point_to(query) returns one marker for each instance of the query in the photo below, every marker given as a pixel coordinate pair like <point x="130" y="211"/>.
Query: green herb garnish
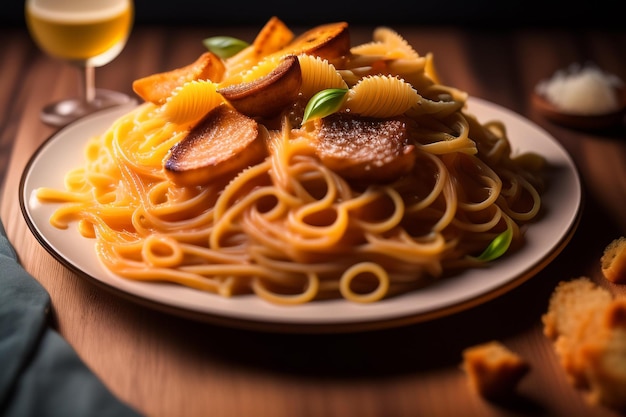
<point x="324" y="103"/>
<point x="224" y="46"/>
<point x="498" y="246"/>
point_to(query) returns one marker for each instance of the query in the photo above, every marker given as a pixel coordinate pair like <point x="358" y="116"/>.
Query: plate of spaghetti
<point x="302" y="184"/>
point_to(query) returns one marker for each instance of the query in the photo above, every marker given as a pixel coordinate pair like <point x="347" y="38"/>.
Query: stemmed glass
<point x="87" y="34"/>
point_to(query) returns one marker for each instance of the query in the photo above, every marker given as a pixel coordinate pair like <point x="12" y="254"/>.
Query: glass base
<point x="66" y="111"/>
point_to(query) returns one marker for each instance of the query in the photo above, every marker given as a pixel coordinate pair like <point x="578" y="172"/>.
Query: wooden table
<point x="165" y="365"/>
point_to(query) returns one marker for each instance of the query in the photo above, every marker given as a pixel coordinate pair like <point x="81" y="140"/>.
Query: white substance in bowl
<point x="585" y="91"/>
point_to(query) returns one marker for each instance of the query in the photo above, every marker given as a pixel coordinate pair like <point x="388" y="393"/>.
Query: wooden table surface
<point x="166" y="365"/>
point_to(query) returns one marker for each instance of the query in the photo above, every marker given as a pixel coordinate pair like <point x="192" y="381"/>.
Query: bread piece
<point x="588" y="328"/>
<point x="606" y="359"/>
<point x="493" y="370"/>
<point x="613" y="261"/>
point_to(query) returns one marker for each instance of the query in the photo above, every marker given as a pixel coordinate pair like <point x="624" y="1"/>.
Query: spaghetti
<point x="289" y="228"/>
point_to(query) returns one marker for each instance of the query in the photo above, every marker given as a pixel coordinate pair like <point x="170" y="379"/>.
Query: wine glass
<point x="87" y="34"/>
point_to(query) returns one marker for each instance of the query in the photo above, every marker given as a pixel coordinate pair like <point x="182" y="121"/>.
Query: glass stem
<point x="89" y="84"/>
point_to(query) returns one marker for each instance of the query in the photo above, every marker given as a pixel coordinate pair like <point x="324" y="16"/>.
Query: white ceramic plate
<point x="545" y="239"/>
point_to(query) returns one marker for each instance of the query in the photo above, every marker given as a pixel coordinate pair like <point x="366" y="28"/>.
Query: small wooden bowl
<point x="578" y="121"/>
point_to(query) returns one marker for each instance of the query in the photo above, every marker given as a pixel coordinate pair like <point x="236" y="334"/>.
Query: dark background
<point x="484" y="14"/>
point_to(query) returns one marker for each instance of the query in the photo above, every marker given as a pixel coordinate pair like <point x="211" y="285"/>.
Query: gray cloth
<point x="40" y="374"/>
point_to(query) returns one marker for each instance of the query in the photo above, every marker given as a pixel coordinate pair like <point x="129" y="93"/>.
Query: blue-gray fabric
<point x="40" y="373"/>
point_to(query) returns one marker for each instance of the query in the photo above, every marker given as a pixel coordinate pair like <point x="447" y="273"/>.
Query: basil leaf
<point x="498" y="246"/>
<point x="324" y="103"/>
<point x="224" y="46"/>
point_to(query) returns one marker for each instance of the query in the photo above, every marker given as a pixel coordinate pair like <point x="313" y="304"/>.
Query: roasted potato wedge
<point x="156" y="88"/>
<point x="272" y="37"/>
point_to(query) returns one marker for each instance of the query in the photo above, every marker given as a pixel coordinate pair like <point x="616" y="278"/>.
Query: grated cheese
<point x="582" y="90"/>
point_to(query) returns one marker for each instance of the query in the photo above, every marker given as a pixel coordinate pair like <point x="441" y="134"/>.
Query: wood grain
<point x="166" y="365"/>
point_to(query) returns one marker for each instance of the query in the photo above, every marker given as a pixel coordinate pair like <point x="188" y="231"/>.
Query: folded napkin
<point x="40" y="374"/>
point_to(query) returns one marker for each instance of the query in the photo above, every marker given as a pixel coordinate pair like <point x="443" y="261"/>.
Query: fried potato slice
<point x="364" y="148"/>
<point x="156" y="88"/>
<point x="330" y="41"/>
<point x="268" y="94"/>
<point x="225" y="141"/>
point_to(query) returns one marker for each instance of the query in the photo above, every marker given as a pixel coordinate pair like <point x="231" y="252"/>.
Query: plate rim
<point x="287" y="324"/>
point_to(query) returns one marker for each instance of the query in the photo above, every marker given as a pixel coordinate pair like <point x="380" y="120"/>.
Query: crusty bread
<point x="613" y="261"/>
<point x="588" y="328"/>
<point x="493" y="370"/>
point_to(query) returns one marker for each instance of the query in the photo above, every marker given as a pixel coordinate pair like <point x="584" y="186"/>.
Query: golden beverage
<point x="71" y="30"/>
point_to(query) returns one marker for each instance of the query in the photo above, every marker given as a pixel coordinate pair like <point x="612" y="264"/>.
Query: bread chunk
<point x="493" y="370"/>
<point x="613" y="261"/>
<point x="588" y="328"/>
